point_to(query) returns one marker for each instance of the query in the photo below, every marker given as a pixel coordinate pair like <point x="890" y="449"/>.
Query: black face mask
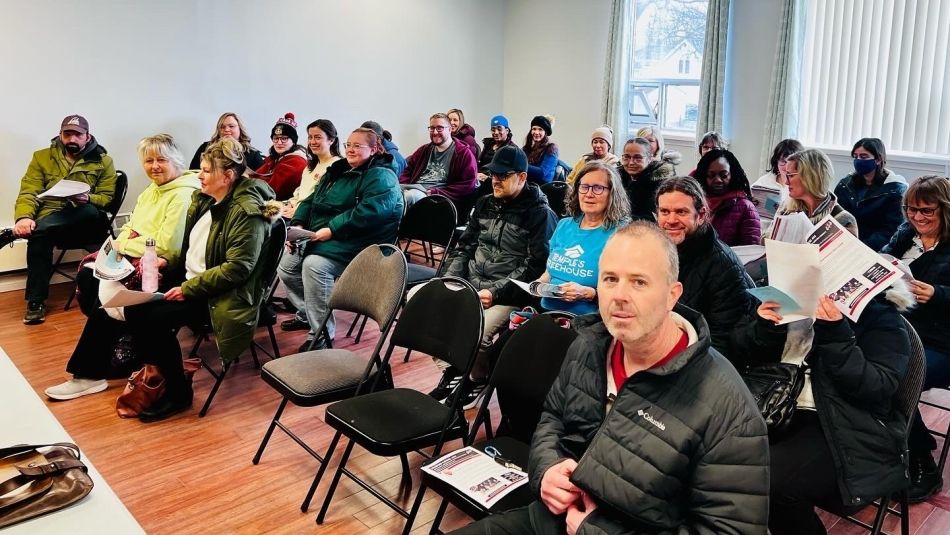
<point x="73" y="148"/>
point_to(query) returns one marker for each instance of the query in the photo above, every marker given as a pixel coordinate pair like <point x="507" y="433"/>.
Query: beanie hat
<point x="286" y="126"/>
<point x="542" y="122"/>
<point x="499" y="120"/>
<point x="605" y="133"/>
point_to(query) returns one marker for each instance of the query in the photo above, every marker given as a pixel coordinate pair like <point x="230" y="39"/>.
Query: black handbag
<point x="776" y="388"/>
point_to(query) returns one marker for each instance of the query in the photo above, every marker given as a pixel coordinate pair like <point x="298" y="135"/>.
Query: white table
<point x="25" y="419"/>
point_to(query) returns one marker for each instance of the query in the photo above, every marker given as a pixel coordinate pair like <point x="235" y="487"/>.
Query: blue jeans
<point x="309" y="281"/>
<point x="938" y="376"/>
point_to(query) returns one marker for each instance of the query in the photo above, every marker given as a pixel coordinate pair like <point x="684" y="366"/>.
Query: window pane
<point x="668" y="41"/>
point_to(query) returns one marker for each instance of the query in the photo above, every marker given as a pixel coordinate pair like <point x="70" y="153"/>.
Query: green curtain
<point x="713" y="77"/>
<point x="617" y="70"/>
<point x="781" y="120"/>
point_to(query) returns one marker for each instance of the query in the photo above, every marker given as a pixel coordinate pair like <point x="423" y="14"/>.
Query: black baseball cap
<point x="507" y="159"/>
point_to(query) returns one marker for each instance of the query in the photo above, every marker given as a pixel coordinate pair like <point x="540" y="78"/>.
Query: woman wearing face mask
<point x="286" y="161"/>
<point x="323" y="148"/>
<point x="230" y="125"/>
<point x="463" y="131"/>
<point x="727" y="190"/>
<point x="601" y="141"/>
<point x="872" y="193"/>
<point x="640" y="177"/>
<point x="542" y="152"/>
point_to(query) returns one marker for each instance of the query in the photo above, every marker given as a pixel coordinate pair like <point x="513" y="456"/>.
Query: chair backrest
<point x="527" y="367"/>
<point x="908" y="391"/>
<point x="556" y="192"/>
<point x="444" y="320"/>
<point x="112" y="209"/>
<point x="372" y="284"/>
<point x="431" y="219"/>
<point x="271" y="255"/>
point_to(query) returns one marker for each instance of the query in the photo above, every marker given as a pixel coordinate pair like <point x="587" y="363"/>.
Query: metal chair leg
<point x="406" y="481"/>
<point x="320" y="471"/>
<point x="437" y="521"/>
<point x="905" y="512"/>
<point x="349" y="332"/>
<point x="214" y="390"/>
<point x="362" y="326"/>
<point x="257" y="361"/>
<point x="270" y="431"/>
<point x="273" y="341"/>
<point x="406" y="358"/>
<point x="336" y="481"/>
<point x="880" y="516"/>
<point x="415" y="509"/>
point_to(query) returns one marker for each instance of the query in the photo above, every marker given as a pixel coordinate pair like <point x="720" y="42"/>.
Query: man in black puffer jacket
<point x="714" y="280"/>
<point x="647" y="429"/>
<point x="507" y="238"/>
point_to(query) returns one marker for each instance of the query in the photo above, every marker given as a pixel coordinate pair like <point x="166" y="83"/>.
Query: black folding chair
<point x="106" y="219"/>
<point x="398" y="421"/>
<point x="527" y="367"/>
<point x="372" y="284"/>
<point x="270" y="255"/>
<point x="556" y="192"/>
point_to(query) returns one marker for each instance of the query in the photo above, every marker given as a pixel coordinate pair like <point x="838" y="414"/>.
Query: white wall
<point x="138" y="68"/>
<point x="555" y="54"/>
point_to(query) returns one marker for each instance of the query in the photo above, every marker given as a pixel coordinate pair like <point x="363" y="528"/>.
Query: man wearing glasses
<point x="506" y="238"/>
<point x="443" y="166"/>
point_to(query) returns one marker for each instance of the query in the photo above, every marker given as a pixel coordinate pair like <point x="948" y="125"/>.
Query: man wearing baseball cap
<point x="506" y="238"/>
<point x="76" y="156"/>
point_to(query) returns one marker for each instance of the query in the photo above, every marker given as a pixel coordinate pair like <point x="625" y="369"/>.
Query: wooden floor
<point x="194" y="475"/>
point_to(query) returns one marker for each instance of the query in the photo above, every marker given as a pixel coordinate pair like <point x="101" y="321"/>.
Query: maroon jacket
<point x="466" y="134"/>
<point x="735" y="219"/>
<point x="462" y="179"/>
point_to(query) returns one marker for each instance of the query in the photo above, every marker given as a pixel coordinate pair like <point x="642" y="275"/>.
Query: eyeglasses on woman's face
<point x="911" y="211"/>
<point x="596" y="189"/>
<point x="355" y="146"/>
<point x="280" y="139"/>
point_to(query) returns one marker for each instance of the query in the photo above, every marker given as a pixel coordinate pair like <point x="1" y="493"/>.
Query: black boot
<point x="925" y="480"/>
<point x="169" y="404"/>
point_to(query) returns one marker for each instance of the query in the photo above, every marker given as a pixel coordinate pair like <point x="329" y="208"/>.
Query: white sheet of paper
<point x="791" y="228"/>
<point x="297" y="233"/>
<point x="539" y="289"/>
<point x="748" y="253"/>
<point x="127" y="298"/>
<point x="476" y="475"/>
<point x="65" y="188"/>
<point x="794" y="270"/>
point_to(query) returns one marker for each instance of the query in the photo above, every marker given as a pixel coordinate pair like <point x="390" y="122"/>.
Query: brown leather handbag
<point x="33" y="483"/>
<point x="145" y="386"/>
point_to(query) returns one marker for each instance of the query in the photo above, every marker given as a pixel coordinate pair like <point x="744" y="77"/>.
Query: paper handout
<point x="127" y="298"/>
<point x="109" y="266"/>
<point x="540" y="289"/>
<point x="477" y="475"/>
<point x="792" y="228"/>
<point x="65" y="188"/>
<point x="794" y="273"/>
<point x="766" y="200"/>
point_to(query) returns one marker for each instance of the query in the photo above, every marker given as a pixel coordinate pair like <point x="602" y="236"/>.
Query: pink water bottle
<point x="150" y="267"/>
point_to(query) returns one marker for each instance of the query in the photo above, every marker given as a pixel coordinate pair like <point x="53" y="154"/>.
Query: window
<point x="876" y="69"/>
<point x="668" y="37"/>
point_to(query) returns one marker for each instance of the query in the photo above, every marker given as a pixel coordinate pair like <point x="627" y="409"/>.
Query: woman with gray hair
<point x="597" y="206"/>
<point x="159" y="214"/>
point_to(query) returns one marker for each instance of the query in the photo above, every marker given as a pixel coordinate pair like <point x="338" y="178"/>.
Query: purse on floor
<point x="145" y="386"/>
<point x="776" y="388"/>
<point x="33" y="483"/>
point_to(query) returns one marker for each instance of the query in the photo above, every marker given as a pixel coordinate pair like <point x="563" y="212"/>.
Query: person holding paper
<point x="872" y="193"/>
<point x="597" y="206"/>
<point x="357" y="203"/>
<point x="731" y="211"/>
<point x="74" y="155"/>
<point x="774" y="177"/>
<point x="647" y="428"/>
<point x="159" y="214"/>
<point x="923" y="243"/>
<point x="810" y="177"/>
<point x="845" y="444"/>
<point x="714" y="280"/>
<point x="217" y="281"/>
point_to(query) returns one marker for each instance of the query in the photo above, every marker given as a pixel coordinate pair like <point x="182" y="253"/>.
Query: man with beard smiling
<point x="444" y="166"/>
<point x="73" y="155"/>
<point x="714" y="280"/>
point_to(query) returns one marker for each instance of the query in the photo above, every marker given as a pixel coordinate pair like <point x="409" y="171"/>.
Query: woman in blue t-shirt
<point x="597" y="205"/>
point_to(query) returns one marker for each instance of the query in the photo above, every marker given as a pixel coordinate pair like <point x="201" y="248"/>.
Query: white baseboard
<point x="13" y="258"/>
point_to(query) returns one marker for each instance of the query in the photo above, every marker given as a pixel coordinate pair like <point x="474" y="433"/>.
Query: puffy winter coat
<point x="49" y="166"/>
<point x="855" y="371"/>
<point x="283" y="173"/>
<point x="466" y="134"/>
<point x="642" y="190"/>
<point x="879" y="211"/>
<point x="714" y="283"/>
<point x="931" y="320"/>
<point x="683" y="449"/>
<point x="159" y="213"/>
<point x="360" y="206"/>
<point x="736" y="220"/>
<point x="232" y="282"/>
<point x="461" y="180"/>
<point x="504" y="239"/>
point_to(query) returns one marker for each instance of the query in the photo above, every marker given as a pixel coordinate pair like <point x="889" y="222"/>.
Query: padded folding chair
<point x="106" y="218"/>
<point x="906" y="398"/>
<point x="271" y="254"/>
<point x="372" y="284"/>
<point x="556" y="192"/>
<point x="430" y="221"/>
<point x="444" y="320"/>
<point x="535" y="351"/>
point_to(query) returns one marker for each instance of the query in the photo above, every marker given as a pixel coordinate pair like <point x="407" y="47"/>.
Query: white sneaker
<point x="75" y="388"/>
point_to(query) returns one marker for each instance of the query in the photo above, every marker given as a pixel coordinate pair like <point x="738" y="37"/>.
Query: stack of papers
<point x="539" y="289"/>
<point x="109" y="265"/>
<point x="767" y="195"/>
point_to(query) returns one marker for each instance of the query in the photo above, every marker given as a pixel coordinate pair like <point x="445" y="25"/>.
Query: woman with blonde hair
<point x="230" y="125"/>
<point x="463" y="131"/>
<point x="810" y="179"/>
<point x="668" y="159"/>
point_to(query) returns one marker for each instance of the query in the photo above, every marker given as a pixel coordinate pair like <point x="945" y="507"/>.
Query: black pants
<point x="802" y="475"/>
<point x="153" y="328"/>
<point x="88" y="286"/>
<point x="534" y="519"/>
<point x="72" y="224"/>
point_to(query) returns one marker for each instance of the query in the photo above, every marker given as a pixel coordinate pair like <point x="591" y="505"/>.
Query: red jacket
<point x="462" y="180"/>
<point x="735" y="219"/>
<point x="284" y="175"/>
